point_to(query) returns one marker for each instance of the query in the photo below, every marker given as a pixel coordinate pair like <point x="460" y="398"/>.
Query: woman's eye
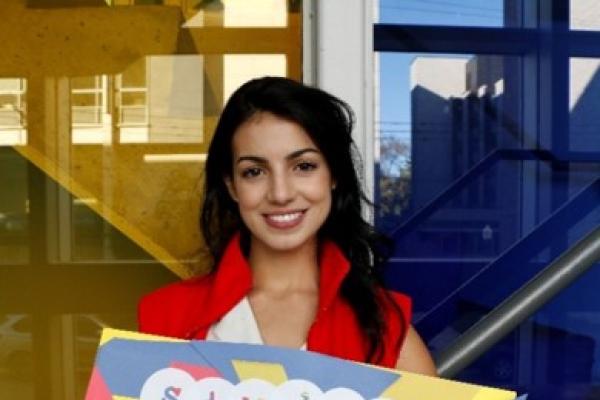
<point x="306" y="166"/>
<point x="251" y="172"/>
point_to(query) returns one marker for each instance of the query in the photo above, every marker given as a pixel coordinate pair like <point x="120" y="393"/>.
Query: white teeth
<point x="285" y="217"/>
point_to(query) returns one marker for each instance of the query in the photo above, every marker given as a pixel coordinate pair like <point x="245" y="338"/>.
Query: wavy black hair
<point x="329" y="122"/>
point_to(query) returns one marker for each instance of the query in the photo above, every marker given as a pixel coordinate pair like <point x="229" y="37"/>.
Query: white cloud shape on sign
<point x="209" y="389"/>
<point x="297" y="389"/>
<point x="176" y="384"/>
<point x="166" y="384"/>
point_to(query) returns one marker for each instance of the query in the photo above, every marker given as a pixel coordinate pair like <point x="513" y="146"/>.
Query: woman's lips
<point x="285" y="220"/>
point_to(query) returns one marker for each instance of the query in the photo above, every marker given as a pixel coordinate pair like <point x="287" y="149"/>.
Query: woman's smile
<point x="284" y="220"/>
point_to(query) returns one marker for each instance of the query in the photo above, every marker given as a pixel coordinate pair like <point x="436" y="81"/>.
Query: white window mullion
<point x="344" y="67"/>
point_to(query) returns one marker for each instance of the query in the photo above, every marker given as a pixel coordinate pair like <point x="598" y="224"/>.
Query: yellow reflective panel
<point x="98" y="135"/>
<point x="255" y="13"/>
<point x="240" y="68"/>
<point x="106" y="111"/>
<point x="13" y="108"/>
<point x="16" y="356"/>
<point x="84" y="331"/>
<point x="14" y="216"/>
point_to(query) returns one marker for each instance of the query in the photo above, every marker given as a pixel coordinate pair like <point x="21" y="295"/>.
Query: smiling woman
<point x="294" y="262"/>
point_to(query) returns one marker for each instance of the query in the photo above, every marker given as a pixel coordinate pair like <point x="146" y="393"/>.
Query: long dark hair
<point x="328" y="121"/>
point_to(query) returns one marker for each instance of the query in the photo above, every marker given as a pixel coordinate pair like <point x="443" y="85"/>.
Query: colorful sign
<point x="133" y="366"/>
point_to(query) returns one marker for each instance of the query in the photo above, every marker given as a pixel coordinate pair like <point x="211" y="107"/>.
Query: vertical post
<point x="345" y="68"/>
<point x="38" y="234"/>
<point x="214" y="74"/>
<point x="309" y="42"/>
<point x="554" y="123"/>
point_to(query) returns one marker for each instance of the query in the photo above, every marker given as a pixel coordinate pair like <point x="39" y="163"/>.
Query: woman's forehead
<point x="266" y="134"/>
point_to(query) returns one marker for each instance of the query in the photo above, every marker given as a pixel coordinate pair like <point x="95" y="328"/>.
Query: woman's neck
<point x="285" y="271"/>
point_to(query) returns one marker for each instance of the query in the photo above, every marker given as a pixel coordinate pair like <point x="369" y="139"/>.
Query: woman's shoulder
<point x="397" y="312"/>
<point x="170" y="305"/>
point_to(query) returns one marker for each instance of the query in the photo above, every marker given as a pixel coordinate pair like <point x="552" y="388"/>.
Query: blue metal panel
<point x="509" y="197"/>
<point x="457" y="40"/>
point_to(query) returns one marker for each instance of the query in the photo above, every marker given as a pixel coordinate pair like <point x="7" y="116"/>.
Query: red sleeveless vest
<point x="187" y="309"/>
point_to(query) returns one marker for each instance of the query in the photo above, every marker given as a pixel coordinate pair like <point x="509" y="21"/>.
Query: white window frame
<point x="339" y="58"/>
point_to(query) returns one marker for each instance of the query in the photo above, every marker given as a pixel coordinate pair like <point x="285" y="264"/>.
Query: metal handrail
<point x="520" y="305"/>
<point x="562" y="218"/>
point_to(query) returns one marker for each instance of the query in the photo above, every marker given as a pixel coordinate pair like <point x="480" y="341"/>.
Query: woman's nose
<point x="281" y="190"/>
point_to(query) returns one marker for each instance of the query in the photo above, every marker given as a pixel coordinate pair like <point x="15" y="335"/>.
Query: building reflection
<point x="13" y="110"/>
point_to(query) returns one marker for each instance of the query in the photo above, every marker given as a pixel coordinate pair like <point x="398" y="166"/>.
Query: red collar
<point x="233" y="280"/>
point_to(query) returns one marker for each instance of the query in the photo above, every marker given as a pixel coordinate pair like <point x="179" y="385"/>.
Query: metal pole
<point x="520" y="305"/>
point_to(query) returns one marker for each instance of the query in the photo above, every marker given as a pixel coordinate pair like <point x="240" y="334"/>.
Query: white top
<point x="238" y="326"/>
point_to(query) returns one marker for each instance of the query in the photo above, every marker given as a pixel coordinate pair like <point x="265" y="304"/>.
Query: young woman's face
<point x="281" y="182"/>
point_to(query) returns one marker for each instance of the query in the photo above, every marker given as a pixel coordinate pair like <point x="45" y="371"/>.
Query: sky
<point x="394" y="118"/>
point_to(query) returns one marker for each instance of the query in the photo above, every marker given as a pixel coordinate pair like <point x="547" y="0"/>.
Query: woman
<point x="295" y="264"/>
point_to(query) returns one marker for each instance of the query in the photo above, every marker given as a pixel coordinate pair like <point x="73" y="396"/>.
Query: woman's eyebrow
<point x="300" y="152"/>
<point x="256" y="159"/>
<point x="291" y="156"/>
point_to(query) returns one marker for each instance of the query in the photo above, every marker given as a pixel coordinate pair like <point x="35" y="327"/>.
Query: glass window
<point x="13" y="109"/>
<point x="14" y="208"/>
<point x="584" y="98"/>
<point x="243" y="13"/>
<point x="102" y="149"/>
<point x="447" y="191"/>
<point x="554" y="353"/>
<point x="151" y="121"/>
<point x="450" y="108"/>
<point x="85" y="331"/>
<point x="439" y="13"/>
<point x="584" y="15"/>
<point x="87" y="104"/>
<point x="16" y="356"/>
<point x="243" y="67"/>
<point x="94" y="238"/>
<point x="489" y="170"/>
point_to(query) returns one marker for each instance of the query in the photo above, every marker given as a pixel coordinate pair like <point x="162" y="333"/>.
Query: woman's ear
<point x="230" y="188"/>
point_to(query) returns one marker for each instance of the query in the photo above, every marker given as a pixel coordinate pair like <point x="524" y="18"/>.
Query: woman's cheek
<point x="250" y="195"/>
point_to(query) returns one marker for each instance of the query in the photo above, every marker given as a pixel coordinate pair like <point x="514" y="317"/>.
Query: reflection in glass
<point x="14" y="204"/>
<point x="16" y="356"/>
<point x="86" y="330"/>
<point x="175" y="99"/>
<point x="90" y="116"/>
<point x="131" y="89"/>
<point x="444" y="13"/>
<point x="452" y="109"/>
<point x="157" y="99"/>
<point x="481" y="208"/>
<point x="101" y="157"/>
<point x="555" y="354"/>
<point x="584" y="15"/>
<point x="243" y="13"/>
<point x="94" y="238"/>
<point x="257" y="13"/>
<point x="446" y="193"/>
<point x="240" y="68"/>
<point x="13" y="111"/>
<point x="584" y="100"/>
